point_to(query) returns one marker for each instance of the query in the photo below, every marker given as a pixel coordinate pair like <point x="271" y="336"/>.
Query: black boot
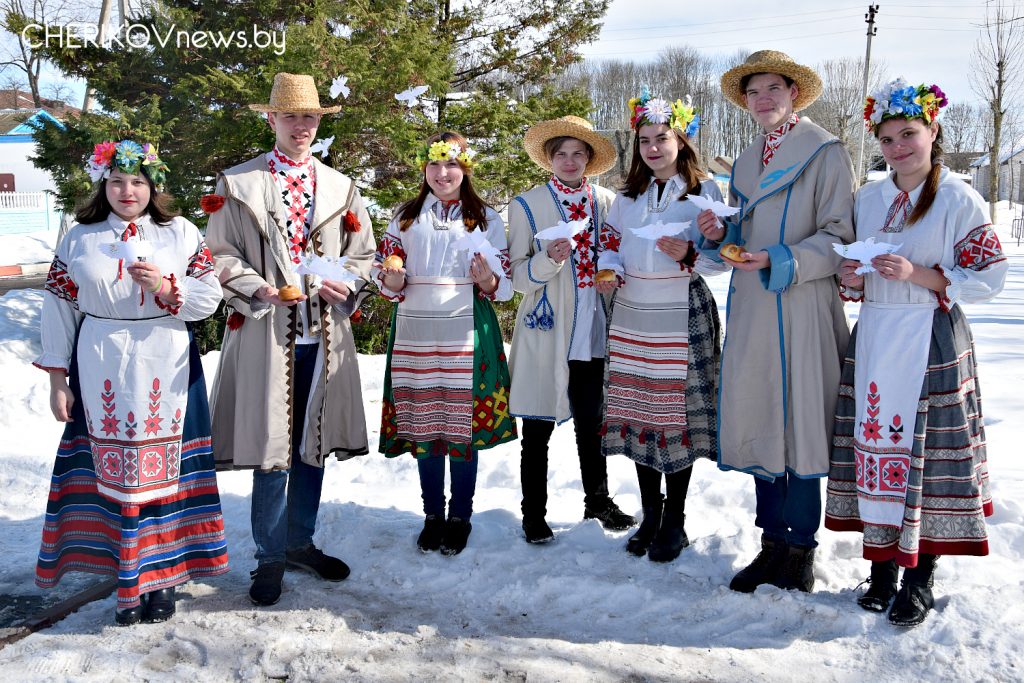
<point x="537" y="530"/>
<point x="671" y="538"/>
<point x="882" y="586"/>
<point x="764" y="569"/>
<point x="610" y="516"/>
<point x="797" y="570"/>
<point x="131" y="615"/>
<point x="641" y="540"/>
<point x="915" y="598"/>
<point x="160" y="606"/>
<point x="433" y="531"/>
<point x="456" y="534"/>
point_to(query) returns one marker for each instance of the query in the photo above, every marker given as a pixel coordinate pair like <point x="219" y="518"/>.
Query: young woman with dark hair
<point x="908" y="466"/>
<point x="664" y="332"/>
<point x="134" y="492"/>
<point x="447" y="380"/>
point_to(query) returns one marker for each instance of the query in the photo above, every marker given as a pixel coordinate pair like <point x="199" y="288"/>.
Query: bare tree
<point x="840" y="109"/>
<point x="996" y="64"/>
<point x="58" y="91"/>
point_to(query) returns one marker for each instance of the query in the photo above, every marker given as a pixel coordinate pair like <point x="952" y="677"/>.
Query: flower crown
<point x="126" y="156"/>
<point x="444" y="150"/>
<point x="899" y="100"/>
<point x="646" y="110"/>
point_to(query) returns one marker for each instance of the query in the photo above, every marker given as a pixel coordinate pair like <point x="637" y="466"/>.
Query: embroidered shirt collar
<point x="281" y="158"/>
<point x="890" y="191"/>
<point x="773" y="139"/>
<point x="120" y="225"/>
<point x="443" y="208"/>
<point x="562" y="188"/>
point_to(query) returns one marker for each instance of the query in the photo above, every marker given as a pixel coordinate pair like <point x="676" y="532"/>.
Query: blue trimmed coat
<point x="786" y="331"/>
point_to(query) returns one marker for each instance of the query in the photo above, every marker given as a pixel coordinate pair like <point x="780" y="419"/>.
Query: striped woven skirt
<point x="446" y="384"/>
<point x="947" y="492"/>
<point x="662" y="375"/>
<point x="148" y="546"/>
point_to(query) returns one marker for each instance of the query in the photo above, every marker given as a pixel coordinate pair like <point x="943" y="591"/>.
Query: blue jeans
<point x="789" y="509"/>
<point x="285" y="502"/>
<point x="463" y="485"/>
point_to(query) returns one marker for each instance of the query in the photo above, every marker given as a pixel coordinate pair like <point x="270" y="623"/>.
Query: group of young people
<point x="617" y="330"/>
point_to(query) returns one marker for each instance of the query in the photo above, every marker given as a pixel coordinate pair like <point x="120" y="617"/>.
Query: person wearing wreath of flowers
<point x="558" y="347"/>
<point x="786" y="330"/>
<point x="287" y="394"/>
<point x="664" y="333"/>
<point x="444" y="259"/>
<point x="913" y="480"/>
<point x="134" y="490"/>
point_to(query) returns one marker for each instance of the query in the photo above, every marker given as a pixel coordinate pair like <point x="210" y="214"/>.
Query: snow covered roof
<point x="1008" y="153"/>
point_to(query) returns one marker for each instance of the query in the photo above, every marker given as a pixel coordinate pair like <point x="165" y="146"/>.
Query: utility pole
<point x="869" y="18"/>
<point x="101" y="36"/>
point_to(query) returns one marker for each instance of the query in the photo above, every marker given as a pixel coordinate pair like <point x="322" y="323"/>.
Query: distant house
<point x="1011" y="173"/>
<point x="26" y="192"/>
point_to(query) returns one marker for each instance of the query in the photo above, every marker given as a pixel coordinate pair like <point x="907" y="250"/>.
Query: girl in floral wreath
<point x="664" y="332"/>
<point x="133" y="493"/>
<point x="444" y="259"/>
<point x="908" y="466"/>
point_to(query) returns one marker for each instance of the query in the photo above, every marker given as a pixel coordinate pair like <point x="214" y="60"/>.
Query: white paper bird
<point x="321" y="146"/>
<point x="411" y="96"/>
<point x="718" y="208"/>
<point x="476" y="243"/>
<point x="564" y="230"/>
<point x="327" y="267"/>
<point x="338" y="87"/>
<point x="657" y="230"/>
<point x="865" y="251"/>
<point x="343" y="31"/>
<point x="131" y="250"/>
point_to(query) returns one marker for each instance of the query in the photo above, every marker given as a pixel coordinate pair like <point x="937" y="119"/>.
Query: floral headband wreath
<point x="129" y="157"/>
<point x="647" y="110"/>
<point x="899" y="100"/>
<point x="443" y="150"/>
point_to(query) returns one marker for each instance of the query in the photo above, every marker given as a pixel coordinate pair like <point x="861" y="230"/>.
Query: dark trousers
<point x="789" y="509"/>
<point x="463" y="474"/>
<point x="285" y="502"/>
<point x="586" y="392"/>
<point x="676" y="486"/>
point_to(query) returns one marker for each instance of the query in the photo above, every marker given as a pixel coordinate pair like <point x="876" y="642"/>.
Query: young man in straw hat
<point x="287" y="393"/>
<point x="558" y="348"/>
<point x="786" y="332"/>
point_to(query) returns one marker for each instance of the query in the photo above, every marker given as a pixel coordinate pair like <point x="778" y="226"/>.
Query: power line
<point x="746" y="20"/>
<point x="724" y="30"/>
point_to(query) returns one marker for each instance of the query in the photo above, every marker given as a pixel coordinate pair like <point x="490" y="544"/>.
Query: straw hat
<point x="772" y="62"/>
<point x="572" y="126"/>
<point x="294" y="92"/>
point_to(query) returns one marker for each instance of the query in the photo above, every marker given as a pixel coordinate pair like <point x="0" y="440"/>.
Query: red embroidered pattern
<point x="610" y="238"/>
<point x="980" y="249"/>
<point x="201" y="262"/>
<point x="297" y="182"/>
<point x="584" y="257"/>
<point x="773" y="139"/>
<point x="60" y="284"/>
<point x="565" y="189"/>
<point x="153" y="421"/>
<point x="110" y="420"/>
<point x="871" y="429"/>
<point x="898" y="213"/>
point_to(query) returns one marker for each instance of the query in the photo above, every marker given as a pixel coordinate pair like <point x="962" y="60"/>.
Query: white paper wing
<point x="475" y="243"/>
<point x="564" y="230"/>
<point x="132" y="249"/>
<point x="411" y="95"/>
<point x="864" y="251"/>
<point x="718" y="208"/>
<point x="321" y="146"/>
<point x="327" y="267"/>
<point x="657" y="230"/>
<point x="338" y="87"/>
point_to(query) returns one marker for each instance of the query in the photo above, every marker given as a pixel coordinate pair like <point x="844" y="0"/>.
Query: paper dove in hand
<point x="865" y="251"/>
<point x="476" y="243"/>
<point x="321" y="146"/>
<point x="658" y="230"/>
<point x="718" y="208"/>
<point x="132" y="249"/>
<point x="327" y="267"/>
<point x="564" y="230"/>
<point x="338" y="87"/>
<point x="411" y="96"/>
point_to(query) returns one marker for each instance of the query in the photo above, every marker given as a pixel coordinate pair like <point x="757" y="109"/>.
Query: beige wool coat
<point x="786" y="331"/>
<point x="539" y="360"/>
<point x="252" y="399"/>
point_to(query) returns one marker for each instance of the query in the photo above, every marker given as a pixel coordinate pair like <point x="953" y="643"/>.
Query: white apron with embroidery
<point x="647" y="351"/>
<point x="432" y="360"/>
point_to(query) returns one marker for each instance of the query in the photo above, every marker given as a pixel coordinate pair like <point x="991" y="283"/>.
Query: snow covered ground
<point x="579" y="608"/>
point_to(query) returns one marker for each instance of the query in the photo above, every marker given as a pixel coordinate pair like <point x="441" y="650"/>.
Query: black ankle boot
<point x="797" y="570"/>
<point x="671" y="538"/>
<point x="131" y="615"/>
<point x="641" y="540"/>
<point x="915" y="599"/>
<point x="882" y="588"/>
<point x="160" y="606"/>
<point x="432" y="534"/>
<point x="764" y="569"/>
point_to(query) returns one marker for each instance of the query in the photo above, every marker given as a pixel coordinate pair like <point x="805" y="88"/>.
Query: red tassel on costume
<point x="351" y="222"/>
<point x="643" y="438"/>
<point x="622" y="432"/>
<point x="603" y="430"/>
<point x="235" y="320"/>
<point x="662" y="441"/>
<point x="686" y="438"/>
<point x="356" y="317"/>
<point x="211" y="203"/>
